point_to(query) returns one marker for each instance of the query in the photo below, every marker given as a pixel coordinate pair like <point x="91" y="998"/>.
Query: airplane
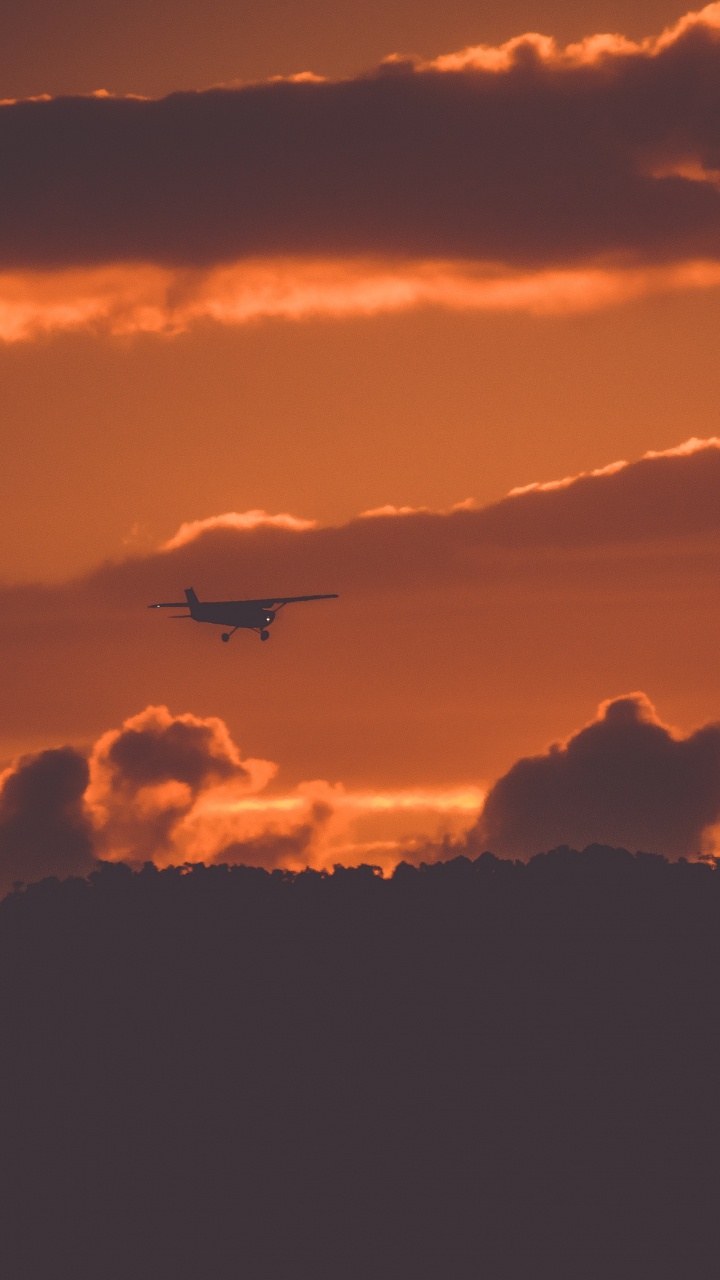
<point x="251" y="615"/>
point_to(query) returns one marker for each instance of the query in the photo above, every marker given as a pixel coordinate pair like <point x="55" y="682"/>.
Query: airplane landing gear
<point x="264" y="635"/>
<point x="225" y="637"/>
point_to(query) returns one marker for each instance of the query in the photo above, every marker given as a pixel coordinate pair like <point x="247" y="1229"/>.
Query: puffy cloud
<point x="625" y="779"/>
<point x="44" y="828"/>
<point x="524" y="155"/>
<point x="155" y="747"/>
<point x="174" y="790"/>
<point x="146" y="779"/>
<point x="162" y="788"/>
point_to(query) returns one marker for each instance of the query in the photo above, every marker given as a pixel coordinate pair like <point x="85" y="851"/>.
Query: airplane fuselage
<point x="232" y="613"/>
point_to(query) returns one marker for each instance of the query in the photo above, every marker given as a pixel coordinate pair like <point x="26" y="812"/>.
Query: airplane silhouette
<point x="250" y="615"/>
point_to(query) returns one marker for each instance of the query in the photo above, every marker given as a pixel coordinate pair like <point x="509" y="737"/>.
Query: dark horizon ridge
<point x="474" y="1068"/>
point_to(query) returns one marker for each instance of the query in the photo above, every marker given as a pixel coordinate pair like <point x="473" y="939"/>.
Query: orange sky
<point x="139" y="395"/>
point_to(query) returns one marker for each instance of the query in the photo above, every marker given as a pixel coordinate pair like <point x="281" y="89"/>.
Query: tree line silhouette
<point x="471" y="1069"/>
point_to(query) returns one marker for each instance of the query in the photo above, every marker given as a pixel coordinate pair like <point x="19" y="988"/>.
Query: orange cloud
<point x="668" y="492"/>
<point x="319" y="824"/>
<point x="684" y="450"/>
<point x="142" y="298"/>
<point x="173" y="789"/>
<point x="146" y="779"/>
<point x="605" y="47"/>
<point x="460" y="641"/>
<point x="235" y="520"/>
<point x="390" y="510"/>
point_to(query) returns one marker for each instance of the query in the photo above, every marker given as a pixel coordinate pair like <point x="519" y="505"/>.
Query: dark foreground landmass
<point x="475" y="1069"/>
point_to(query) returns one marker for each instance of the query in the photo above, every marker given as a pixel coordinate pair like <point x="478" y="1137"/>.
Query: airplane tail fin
<point x="191" y="598"/>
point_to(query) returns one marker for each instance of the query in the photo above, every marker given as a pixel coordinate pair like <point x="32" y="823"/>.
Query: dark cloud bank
<point x="624" y="779"/>
<point x="542" y="162"/>
<point x="650" y="501"/>
<point x="609" y="581"/>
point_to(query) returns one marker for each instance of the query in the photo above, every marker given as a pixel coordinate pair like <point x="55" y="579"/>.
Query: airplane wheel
<point x="264" y="635"/>
<point x="225" y="637"/>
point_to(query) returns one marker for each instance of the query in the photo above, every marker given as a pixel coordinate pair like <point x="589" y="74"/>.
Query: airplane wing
<point x="268" y="603"/>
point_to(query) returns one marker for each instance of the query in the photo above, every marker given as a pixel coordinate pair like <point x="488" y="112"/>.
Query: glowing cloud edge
<point x="145" y="299"/>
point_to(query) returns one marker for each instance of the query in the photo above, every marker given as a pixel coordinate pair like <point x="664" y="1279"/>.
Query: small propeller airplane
<point x="249" y="615"/>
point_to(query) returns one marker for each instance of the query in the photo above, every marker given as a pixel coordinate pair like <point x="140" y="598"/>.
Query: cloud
<point x="235" y="520"/>
<point x="526" y="156"/>
<point x="44" y="829"/>
<point x="174" y="790"/>
<point x="319" y="824"/>
<point x="626" y="779"/>
<point x="389" y="509"/>
<point x="147" y="298"/>
<point x="147" y="777"/>
<point x="522" y="178"/>
<point x="684" y="450"/>
<point x="667" y="494"/>
<point x="293" y="849"/>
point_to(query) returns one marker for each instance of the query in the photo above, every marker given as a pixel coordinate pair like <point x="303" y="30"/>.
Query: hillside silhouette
<point x="472" y="1069"/>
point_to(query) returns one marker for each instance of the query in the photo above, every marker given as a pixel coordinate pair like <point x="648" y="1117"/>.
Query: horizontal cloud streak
<point x="141" y="298"/>
<point x="236" y="520"/>
<point x="668" y="494"/>
<point x="526" y="156"/>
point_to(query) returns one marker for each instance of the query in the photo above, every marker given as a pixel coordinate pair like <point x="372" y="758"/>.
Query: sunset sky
<point x="392" y="300"/>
